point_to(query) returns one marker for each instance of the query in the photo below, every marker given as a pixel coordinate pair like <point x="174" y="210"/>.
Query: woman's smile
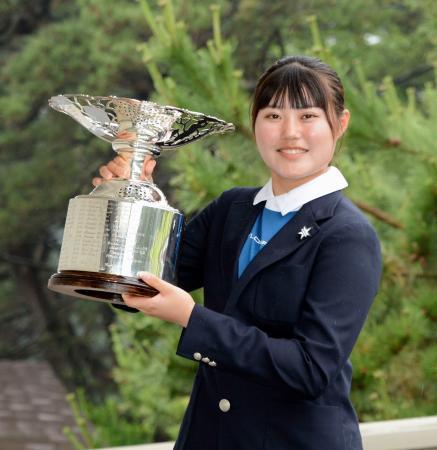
<point x="292" y="153"/>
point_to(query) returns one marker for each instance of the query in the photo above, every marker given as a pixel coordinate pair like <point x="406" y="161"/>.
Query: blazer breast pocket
<point x="280" y="291"/>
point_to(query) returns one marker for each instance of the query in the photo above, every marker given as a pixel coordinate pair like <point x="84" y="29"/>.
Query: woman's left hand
<point x="171" y="304"/>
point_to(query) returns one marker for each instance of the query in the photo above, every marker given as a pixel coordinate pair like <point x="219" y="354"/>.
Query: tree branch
<point x="378" y="214"/>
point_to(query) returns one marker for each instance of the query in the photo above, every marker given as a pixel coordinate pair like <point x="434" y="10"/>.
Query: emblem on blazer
<point x="304" y="232"/>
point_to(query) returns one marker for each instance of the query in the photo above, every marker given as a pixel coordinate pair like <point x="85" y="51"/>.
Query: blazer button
<point x="197" y="356"/>
<point x="224" y="405"/>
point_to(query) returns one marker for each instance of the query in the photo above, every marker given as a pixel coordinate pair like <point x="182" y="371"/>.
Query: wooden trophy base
<point x="98" y="286"/>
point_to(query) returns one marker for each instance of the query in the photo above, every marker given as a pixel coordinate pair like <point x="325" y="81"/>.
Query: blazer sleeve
<point x="343" y="283"/>
<point x="192" y="254"/>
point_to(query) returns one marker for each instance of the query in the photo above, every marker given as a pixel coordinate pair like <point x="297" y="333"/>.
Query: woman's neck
<point x="281" y="185"/>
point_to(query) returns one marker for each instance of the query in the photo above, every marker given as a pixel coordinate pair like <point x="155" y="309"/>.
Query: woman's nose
<point x="291" y="128"/>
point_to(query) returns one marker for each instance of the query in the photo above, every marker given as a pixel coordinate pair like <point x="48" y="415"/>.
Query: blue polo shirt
<point x="267" y="224"/>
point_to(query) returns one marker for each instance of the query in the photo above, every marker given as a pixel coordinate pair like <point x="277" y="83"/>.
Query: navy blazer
<point x="273" y="345"/>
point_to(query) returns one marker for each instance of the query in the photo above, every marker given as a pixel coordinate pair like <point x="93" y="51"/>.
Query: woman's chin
<point x="286" y="181"/>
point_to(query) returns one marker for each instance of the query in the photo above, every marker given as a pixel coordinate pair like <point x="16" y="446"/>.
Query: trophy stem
<point x="136" y="165"/>
<point x="136" y="158"/>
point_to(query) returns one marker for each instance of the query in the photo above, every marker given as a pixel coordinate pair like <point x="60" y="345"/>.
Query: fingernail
<point x="142" y="274"/>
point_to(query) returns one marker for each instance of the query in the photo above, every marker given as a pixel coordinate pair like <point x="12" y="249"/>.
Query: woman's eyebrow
<point x="300" y="108"/>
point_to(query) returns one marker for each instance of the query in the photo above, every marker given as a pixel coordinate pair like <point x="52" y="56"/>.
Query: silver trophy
<point x="125" y="225"/>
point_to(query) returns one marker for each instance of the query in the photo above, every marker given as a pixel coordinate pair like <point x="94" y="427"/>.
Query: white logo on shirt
<point x="257" y="239"/>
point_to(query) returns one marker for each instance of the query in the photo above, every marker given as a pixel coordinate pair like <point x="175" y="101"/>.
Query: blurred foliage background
<point x="130" y="387"/>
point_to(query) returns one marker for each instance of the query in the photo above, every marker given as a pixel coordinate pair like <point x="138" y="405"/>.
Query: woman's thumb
<point x="153" y="281"/>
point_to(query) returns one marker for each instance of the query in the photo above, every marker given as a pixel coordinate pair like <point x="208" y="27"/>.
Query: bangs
<point x="294" y="85"/>
<point x="300" y="82"/>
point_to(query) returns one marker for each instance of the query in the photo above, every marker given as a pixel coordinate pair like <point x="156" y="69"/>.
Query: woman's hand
<point x="172" y="304"/>
<point x="119" y="167"/>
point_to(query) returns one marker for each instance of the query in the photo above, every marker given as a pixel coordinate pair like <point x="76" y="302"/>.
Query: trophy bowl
<point x="125" y="225"/>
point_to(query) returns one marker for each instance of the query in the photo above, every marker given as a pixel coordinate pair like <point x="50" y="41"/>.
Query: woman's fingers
<point x="105" y="173"/>
<point x="144" y="304"/>
<point x="148" y="167"/>
<point x="120" y="167"/>
<point x="97" y="181"/>
<point x="171" y="303"/>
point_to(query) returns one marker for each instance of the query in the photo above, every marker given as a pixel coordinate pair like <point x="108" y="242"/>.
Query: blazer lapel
<point x="240" y="220"/>
<point x="286" y="241"/>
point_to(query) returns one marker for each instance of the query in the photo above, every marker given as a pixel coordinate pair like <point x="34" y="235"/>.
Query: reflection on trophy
<point x="125" y="225"/>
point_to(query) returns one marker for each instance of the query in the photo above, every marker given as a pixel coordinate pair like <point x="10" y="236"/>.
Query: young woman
<point x="289" y="272"/>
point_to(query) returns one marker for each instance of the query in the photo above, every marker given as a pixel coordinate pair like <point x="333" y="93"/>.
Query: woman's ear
<point x="343" y="122"/>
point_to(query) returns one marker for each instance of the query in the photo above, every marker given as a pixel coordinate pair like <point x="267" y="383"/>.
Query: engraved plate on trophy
<point x="125" y="225"/>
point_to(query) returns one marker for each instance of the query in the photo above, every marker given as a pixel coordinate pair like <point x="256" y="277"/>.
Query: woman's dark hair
<point x="305" y="82"/>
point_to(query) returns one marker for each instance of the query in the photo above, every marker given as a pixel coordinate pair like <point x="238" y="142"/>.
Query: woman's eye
<point x="308" y="116"/>
<point x="273" y="116"/>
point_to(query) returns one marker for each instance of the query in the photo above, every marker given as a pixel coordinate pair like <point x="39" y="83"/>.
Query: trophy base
<point x="101" y="287"/>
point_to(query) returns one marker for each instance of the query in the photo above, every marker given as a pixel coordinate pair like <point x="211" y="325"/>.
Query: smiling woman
<point x="289" y="272"/>
<point x="298" y="115"/>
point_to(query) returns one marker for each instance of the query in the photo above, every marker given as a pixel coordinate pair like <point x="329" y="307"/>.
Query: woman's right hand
<point x="119" y="167"/>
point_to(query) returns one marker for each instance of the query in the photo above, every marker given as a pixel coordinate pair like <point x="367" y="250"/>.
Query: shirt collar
<point x="330" y="181"/>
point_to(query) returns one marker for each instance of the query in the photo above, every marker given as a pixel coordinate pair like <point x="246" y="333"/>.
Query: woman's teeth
<point x="293" y="151"/>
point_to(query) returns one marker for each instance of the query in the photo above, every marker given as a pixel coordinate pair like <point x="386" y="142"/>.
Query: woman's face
<point x="297" y="145"/>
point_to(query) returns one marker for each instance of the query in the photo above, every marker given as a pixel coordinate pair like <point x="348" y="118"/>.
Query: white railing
<point x="404" y="434"/>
